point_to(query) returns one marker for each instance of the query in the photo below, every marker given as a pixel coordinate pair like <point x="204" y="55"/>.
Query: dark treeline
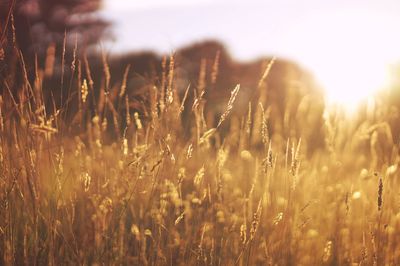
<point x="287" y="93"/>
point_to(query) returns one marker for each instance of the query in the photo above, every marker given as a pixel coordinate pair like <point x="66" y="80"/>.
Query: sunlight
<point x="348" y="81"/>
<point x="349" y="56"/>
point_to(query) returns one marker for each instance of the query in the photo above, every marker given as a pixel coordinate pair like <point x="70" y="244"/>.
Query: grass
<point x="237" y="193"/>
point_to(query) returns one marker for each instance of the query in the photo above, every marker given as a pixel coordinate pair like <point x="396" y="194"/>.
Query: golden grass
<point x="247" y="196"/>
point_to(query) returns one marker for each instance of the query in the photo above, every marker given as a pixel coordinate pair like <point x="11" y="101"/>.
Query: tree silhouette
<point x="33" y="31"/>
<point x="33" y="25"/>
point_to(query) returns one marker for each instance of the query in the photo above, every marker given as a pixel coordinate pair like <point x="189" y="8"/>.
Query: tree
<point x="35" y="24"/>
<point x="33" y="31"/>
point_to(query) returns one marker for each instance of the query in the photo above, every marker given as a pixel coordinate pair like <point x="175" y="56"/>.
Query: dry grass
<point x="236" y="196"/>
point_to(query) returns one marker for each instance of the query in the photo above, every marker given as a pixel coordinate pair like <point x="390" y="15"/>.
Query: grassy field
<point x="225" y="192"/>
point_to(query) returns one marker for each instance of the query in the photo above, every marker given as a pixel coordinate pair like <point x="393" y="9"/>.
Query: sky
<point x="252" y="28"/>
<point x="324" y="36"/>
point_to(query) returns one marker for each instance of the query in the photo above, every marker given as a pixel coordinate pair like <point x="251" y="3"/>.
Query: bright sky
<point x="341" y="41"/>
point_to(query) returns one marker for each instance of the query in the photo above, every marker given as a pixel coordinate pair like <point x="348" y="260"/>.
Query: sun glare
<point x="348" y="81"/>
<point x="350" y="56"/>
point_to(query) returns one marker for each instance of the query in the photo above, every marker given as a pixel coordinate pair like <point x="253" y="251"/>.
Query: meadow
<point x="175" y="184"/>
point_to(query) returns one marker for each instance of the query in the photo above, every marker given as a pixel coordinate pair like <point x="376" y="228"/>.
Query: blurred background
<point x="348" y="45"/>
